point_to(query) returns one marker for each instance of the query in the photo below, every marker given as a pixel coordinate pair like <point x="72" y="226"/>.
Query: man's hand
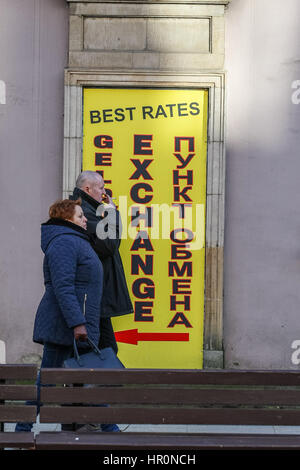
<point x="80" y="333"/>
<point x="108" y="201"/>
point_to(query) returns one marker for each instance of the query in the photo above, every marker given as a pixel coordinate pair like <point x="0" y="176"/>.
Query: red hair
<point x="63" y="209"/>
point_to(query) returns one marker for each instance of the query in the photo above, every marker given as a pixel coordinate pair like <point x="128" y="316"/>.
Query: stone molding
<point x="75" y="80"/>
<point x="147" y="35"/>
<point x="157" y="43"/>
<point x="192" y="2"/>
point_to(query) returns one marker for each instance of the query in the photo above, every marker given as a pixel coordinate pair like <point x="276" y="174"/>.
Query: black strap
<point x="93" y="346"/>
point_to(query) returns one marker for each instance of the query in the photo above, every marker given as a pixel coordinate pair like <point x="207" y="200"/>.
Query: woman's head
<point x="68" y="210"/>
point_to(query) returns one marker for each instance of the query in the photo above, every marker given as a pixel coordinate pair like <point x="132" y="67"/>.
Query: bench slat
<point x="170" y="396"/>
<point x="17" y="392"/>
<point x="17" y="439"/>
<point x="13" y="414"/>
<point x="18" y="371"/>
<point x="69" y="414"/>
<point x="121" y="441"/>
<point x="166" y="376"/>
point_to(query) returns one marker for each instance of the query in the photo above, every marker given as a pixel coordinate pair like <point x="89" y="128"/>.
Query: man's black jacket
<point x="115" y="298"/>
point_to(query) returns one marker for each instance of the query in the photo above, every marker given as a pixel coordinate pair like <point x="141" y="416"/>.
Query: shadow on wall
<point x="262" y="220"/>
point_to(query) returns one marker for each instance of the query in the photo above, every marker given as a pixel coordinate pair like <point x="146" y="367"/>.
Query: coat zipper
<point x="84" y="302"/>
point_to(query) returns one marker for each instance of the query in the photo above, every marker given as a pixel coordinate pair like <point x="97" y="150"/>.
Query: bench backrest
<point x="17" y="385"/>
<point x="171" y="396"/>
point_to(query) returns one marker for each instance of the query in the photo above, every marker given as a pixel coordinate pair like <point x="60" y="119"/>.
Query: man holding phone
<point x="98" y="207"/>
<point x="115" y="300"/>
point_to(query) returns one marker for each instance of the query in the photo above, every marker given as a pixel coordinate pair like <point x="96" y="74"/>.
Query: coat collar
<point x="54" y="228"/>
<point x="78" y="193"/>
<point x="66" y="223"/>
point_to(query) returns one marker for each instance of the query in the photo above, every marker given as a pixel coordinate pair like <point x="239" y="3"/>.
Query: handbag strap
<point x="93" y="346"/>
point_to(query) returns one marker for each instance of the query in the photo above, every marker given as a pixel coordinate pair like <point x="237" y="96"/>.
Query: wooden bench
<point x="13" y="395"/>
<point x="188" y="397"/>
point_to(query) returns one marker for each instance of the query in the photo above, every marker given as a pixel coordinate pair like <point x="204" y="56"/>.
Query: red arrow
<point x="133" y="336"/>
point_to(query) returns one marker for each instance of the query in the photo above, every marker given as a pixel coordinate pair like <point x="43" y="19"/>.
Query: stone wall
<point x="34" y="40"/>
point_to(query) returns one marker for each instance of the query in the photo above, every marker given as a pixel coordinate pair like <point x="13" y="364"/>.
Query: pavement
<point x="37" y="427"/>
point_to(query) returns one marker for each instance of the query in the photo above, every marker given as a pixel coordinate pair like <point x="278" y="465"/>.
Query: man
<point x="106" y="242"/>
<point x="104" y="228"/>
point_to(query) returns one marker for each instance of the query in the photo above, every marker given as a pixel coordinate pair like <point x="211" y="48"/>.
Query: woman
<point x="73" y="278"/>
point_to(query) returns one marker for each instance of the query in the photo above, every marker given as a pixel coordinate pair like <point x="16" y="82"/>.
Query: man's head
<point x="91" y="183"/>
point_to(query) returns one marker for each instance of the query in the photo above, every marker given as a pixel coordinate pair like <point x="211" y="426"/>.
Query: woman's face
<point x="79" y="218"/>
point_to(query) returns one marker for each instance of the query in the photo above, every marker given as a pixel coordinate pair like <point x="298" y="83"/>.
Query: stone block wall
<point x="147" y="35"/>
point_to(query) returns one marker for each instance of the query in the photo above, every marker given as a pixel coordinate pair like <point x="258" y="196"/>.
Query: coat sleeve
<point x="62" y="262"/>
<point x="104" y="228"/>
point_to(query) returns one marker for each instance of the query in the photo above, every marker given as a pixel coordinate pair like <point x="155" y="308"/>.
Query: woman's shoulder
<point x="69" y="241"/>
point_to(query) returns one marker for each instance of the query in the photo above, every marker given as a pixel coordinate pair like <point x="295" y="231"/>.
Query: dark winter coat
<point x="73" y="278"/>
<point x="115" y="299"/>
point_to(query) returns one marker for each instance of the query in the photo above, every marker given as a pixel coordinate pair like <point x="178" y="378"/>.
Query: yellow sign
<point x="150" y="146"/>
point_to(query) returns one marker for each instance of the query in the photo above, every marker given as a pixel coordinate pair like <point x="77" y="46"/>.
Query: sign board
<point x="150" y="146"/>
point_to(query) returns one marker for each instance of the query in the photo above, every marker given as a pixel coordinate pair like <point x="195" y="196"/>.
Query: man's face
<point x="96" y="189"/>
